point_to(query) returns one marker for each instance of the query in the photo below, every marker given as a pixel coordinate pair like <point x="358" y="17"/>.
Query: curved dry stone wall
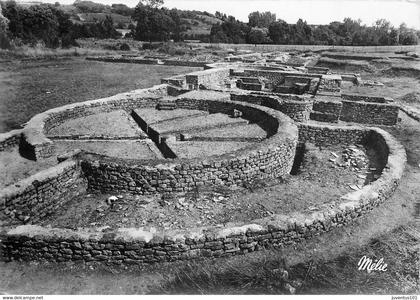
<point x="37" y="146"/>
<point x="10" y="139"/>
<point x="270" y="158"/>
<point x="295" y="107"/>
<point x="30" y="199"/>
<point x="137" y="246"/>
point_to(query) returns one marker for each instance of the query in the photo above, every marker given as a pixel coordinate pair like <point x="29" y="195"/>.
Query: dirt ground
<point x="19" y="167"/>
<point x="251" y="131"/>
<point x="327" y="174"/>
<point x="128" y="149"/>
<point x="115" y="124"/>
<point x="196" y="123"/>
<point x="394" y="87"/>
<point x="152" y="116"/>
<point x="196" y="149"/>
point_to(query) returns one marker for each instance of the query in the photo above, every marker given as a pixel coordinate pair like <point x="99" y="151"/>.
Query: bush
<point x="149" y="46"/>
<point x="124" y="47"/>
<point x="111" y="47"/>
<point x="4" y="41"/>
<point x="173" y="49"/>
<point x="68" y="41"/>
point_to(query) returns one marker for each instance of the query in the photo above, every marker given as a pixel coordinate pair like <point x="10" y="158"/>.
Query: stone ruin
<point x="292" y="105"/>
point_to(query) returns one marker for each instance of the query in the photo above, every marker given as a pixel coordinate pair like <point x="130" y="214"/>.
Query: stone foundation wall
<point x="355" y="111"/>
<point x="324" y="117"/>
<point x="273" y="157"/>
<point x="149" y="61"/>
<point x="275" y="77"/>
<point x="329" y="107"/>
<point x="364" y="98"/>
<point x="139" y="246"/>
<point x="298" y="110"/>
<point x="330" y="83"/>
<point x="327" y="135"/>
<point x="10" y="139"/>
<point x="317" y="70"/>
<point x="290" y="80"/>
<point x="33" y="198"/>
<point x="326" y="111"/>
<point x="369" y="113"/>
<point x="207" y="79"/>
<point x="185" y="63"/>
<point x="38" y="146"/>
<point x="252" y="86"/>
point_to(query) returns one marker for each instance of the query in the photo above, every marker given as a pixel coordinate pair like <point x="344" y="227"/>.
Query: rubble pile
<point x="355" y="159"/>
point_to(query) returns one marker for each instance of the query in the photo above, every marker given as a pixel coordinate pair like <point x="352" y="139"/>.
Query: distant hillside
<point x="119" y="20"/>
<point x="197" y="23"/>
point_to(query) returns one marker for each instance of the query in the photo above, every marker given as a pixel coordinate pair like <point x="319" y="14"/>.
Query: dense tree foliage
<point x="261" y="20"/>
<point x="100" y="29"/>
<point x="4" y="22"/>
<point x="258" y="35"/>
<point x="152" y="3"/>
<point x="122" y="9"/>
<point x="264" y="28"/>
<point x="230" y="31"/>
<point x="51" y="25"/>
<point x="90" y="7"/>
<point x="37" y="22"/>
<point x="93" y="7"/>
<point x="157" y="24"/>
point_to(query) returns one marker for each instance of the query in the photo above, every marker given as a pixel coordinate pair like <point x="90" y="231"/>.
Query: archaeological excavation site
<point x="248" y="153"/>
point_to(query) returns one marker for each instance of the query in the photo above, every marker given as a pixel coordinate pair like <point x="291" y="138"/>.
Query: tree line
<point x="152" y="22"/>
<point x="265" y="28"/>
<point x="156" y="23"/>
<point x="49" y="24"/>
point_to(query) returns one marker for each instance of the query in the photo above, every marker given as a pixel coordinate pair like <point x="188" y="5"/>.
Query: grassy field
<point x="28" y="87"/>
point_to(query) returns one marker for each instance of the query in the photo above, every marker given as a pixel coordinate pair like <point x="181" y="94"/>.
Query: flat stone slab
<point x="128" y="149"/>
<point x="152" y="115"/>
<point x="115" y="124"/>
<point x="331" y="77"/>
<point x="204" y="122"/>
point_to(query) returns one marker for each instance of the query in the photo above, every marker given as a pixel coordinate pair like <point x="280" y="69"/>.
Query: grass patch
<point x="271" y="275"/>
<point x="26" y="52"/>
<point x="29" y="87"/>
<point x="399" y="249"/>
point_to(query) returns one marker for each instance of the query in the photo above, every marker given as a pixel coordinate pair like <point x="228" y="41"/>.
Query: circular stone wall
<point x="37" y="195"/>
<point x="270" y="158"/>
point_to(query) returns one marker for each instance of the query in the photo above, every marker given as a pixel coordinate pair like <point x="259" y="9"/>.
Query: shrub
<point x="149" y="46"/>
<point x="4" y="41"/>
<point x="111" y="47"/>
<point x="124" y="47"/>
<point x="68" y="41"/>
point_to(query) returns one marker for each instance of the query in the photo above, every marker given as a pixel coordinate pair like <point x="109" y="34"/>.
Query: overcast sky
<point x="313" y="11"/>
